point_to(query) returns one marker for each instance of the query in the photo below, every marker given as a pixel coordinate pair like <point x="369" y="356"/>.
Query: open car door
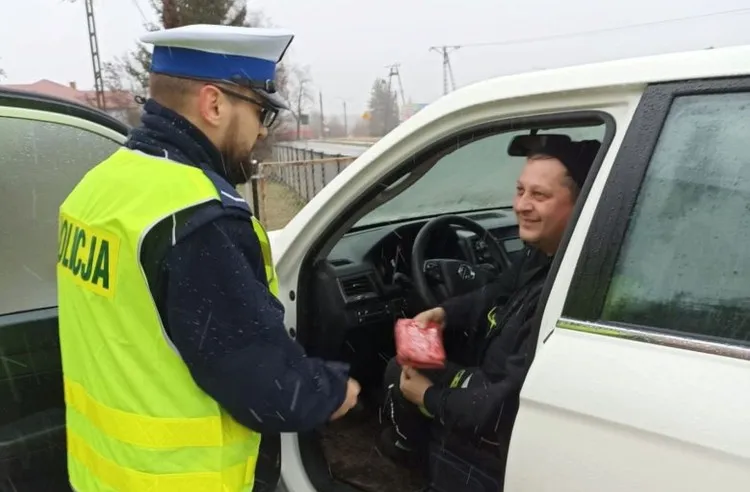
<point x="47" y="146"/>
<point x="641" y="377"/>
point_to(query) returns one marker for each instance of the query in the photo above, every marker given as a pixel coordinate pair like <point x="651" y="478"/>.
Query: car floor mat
<point x="349" y="445"/>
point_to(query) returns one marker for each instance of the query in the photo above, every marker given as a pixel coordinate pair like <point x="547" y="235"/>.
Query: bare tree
<point x="299" y="94"/>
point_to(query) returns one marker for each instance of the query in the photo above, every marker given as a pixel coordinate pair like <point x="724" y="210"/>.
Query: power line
<point x="140" y="10"/>
<point x="446" y="49"/>
<point x="604" y="30"/>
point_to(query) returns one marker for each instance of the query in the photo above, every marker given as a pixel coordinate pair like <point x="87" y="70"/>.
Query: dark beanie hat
<point x="577" y="157"/>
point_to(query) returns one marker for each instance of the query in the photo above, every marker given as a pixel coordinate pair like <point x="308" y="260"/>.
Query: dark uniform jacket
<point x="211" y="291"/>
<point x="495" y="324"/>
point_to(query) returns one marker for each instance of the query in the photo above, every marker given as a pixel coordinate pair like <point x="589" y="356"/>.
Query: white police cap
<point x="243" y="55"/>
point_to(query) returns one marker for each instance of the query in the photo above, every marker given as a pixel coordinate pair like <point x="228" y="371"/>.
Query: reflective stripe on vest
<point x="265" y="247"/>
<point x="136" y="420"/>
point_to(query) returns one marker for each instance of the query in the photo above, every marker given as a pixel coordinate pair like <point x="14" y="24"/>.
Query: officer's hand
<point x="352" y="393"/>
<point x="434" y="315"/>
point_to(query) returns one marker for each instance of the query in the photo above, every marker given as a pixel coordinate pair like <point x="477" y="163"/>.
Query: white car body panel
<point x="592" y="413"/>
<point x="276" y="238"/>
<point x="599" y="413"/>
<point x="293" y="472"/>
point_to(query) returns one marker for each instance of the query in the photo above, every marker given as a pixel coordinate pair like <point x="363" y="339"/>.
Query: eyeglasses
<point x="268" y="114"/>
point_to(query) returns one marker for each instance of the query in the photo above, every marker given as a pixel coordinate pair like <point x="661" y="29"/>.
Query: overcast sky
<point x="347" y="44"/>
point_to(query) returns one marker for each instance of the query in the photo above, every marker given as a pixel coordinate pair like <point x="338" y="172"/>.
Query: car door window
<point x="41" y="162"/>
<point x="477" y="175"/>
<point x="685" y="263"/>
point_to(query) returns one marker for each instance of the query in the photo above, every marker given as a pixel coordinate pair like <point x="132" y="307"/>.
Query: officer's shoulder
<point x="212" y="217"/>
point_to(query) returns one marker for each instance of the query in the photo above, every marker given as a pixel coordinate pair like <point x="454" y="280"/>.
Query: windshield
<point x="478" y="175"/>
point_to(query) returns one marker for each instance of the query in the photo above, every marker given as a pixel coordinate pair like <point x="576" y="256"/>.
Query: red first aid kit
<point x="419" y="346"/>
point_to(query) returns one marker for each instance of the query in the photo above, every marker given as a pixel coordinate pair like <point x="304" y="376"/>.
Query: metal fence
<point x="306" y="178"/>
<point x="279" y="189"/>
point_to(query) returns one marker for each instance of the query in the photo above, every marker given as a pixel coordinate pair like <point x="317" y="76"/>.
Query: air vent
<point x="357" y="288"/>
<point x="484" y="216"/>
<point x="341" y="262"/>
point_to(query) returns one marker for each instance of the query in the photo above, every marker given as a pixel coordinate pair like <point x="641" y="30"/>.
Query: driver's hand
<point x="432" y="316"/>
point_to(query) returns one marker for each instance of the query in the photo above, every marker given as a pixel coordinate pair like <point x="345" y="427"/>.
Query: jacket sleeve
<point x="478" y="407"/>
<point x="464" y="312"/>
<point x="229" y="329"/>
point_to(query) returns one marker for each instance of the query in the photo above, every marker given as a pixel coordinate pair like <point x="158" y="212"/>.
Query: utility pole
<point x="95" y="60"/>
<point x="299" y="110"/>
<point x="393" y="71"/>
<point x="322" y="118"/>
<point x="346" y="124"/>
<point x="447" y="70"/>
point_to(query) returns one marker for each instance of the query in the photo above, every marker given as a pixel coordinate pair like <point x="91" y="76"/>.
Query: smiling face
<point x="545" y="196"/>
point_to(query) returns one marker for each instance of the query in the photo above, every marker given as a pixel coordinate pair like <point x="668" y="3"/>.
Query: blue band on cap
<point x="214" y="66"/>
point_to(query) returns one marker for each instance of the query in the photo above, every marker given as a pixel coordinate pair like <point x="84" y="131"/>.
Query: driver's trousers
<point x="450" y="466"/>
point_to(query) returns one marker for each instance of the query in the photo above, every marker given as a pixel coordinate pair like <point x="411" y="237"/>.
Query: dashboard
<point x="384" y="253"/>
<point x="365" y="283"/>
<point x="367" y="275"/>
<point x="391" y="257"/>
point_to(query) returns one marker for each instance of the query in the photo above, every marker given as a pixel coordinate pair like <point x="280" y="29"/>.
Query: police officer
<point x="175" y="353"/>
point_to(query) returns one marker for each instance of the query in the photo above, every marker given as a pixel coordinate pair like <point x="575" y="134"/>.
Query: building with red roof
<point x="120" y="104"/>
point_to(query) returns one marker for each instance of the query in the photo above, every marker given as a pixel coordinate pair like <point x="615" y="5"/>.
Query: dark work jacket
<point x="211" y="291"/>
<point x="496" y="323"/>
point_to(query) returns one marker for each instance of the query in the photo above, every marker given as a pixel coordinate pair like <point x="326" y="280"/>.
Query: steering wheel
<point x="452" y="277"/>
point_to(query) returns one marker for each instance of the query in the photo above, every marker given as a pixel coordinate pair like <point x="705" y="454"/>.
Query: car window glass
<point x="685" y="263"/>
<point x="41" y="162"/>
<point x="477" y="175"/>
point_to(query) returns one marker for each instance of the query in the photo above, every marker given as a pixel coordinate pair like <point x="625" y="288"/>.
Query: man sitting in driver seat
<point x="457" y="420"/>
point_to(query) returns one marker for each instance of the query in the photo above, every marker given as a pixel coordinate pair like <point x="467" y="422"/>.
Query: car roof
<point x="51" y="104"/>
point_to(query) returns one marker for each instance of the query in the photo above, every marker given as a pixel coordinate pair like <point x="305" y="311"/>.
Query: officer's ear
<point x="212" y="105"/>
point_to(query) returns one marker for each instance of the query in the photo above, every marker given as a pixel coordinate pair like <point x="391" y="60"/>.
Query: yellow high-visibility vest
<point x="136" y="420"/>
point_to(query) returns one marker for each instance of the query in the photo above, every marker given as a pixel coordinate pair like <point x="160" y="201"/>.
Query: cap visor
<point x="275" y="100"/>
